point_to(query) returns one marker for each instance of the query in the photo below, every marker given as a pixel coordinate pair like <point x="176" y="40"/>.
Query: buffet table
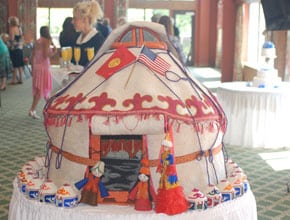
<point x="62" y="76"/>
<point x="257" y="117"/>
<point x="22" y="208"/>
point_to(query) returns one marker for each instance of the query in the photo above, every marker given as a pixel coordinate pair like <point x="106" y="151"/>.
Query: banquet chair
<point x="27" y="51"/>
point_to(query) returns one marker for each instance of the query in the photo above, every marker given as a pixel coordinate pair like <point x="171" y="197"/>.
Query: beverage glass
<point x="70" y="54"/>
<point x="65" y="55"/>
<point x="90" y="53"/>
<point x="77" y="54"/>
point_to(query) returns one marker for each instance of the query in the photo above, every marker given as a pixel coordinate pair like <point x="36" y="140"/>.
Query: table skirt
<point x="257" y="117"/>
<point x="22" y="208"/>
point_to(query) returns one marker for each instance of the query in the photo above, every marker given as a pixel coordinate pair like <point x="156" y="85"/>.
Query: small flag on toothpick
<point x="118" y="60"/>
<point x="153" y="61"/>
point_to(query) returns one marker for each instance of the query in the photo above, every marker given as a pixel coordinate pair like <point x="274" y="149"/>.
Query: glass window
<point x="54" y="18"/>
<point x="127" y="37"/>
<point x="255" y="34"/>
<point x="135" y="14"/>
<point x="149" y="37"/>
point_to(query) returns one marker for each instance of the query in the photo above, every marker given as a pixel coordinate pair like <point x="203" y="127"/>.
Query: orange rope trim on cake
<point x="152" y="163"/>
<point x="189" y="157"/>
<point x="74" y="158"/>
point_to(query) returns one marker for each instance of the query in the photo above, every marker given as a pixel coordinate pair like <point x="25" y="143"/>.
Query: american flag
<point x="153" y="61"/>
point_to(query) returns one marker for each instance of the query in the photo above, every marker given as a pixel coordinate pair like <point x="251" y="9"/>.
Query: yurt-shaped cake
<point x="134" y="97"/>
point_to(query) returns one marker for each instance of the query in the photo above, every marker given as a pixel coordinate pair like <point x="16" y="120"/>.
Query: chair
<point x="27" y="51"/>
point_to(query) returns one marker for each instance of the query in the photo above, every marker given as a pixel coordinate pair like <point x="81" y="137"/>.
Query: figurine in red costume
<point x="170" y="198"/>
<point x="142" y="192"/>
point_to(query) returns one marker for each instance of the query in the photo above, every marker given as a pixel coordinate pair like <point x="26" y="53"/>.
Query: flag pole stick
<point x="130" y="74"/>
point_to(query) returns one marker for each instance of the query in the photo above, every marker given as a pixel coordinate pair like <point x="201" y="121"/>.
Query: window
<point x="135" y="14"/>
<point x="54" y="18"/>
<point x="256" y="38"/>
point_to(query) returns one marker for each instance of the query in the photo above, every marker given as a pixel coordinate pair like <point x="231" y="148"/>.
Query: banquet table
<point x="62" y="76"/>
<point x="257" y="117"/>
<point x="21" y="208"/>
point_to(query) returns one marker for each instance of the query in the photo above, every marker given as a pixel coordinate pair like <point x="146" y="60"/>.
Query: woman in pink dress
<point x="42" y="82"/>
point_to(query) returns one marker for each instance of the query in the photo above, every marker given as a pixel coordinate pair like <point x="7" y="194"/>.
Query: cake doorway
<point x="122" y="155"/>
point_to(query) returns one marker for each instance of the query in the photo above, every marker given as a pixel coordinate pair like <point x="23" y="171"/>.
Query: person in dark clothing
<point x="102" y="28"/>
<point x="106" y="23"/>
<point x="68" y="36"/>
<point x="16" y="49"/>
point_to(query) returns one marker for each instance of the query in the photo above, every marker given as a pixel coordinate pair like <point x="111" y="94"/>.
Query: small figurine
<point x="92" y="185"/>
<point x="143" y="192"/>
<point x="170" y="198"/>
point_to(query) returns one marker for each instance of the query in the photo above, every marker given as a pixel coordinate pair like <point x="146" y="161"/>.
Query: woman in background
<point x="42" y="82"/>
<point x="169" y="27"/>
<point x="68" y="35"/>
<point x="16" y="49"/>
<point x="5" y="67"/>
<point x="85" y="15"/>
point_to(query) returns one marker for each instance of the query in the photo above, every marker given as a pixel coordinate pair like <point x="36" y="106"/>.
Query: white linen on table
<point x="257" y="117"/>
<point x="62" y="75"/>
<point x="23" y="209"/>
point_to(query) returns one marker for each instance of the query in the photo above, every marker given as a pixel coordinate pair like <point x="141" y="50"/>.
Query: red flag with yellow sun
<point x="118" y="60"/>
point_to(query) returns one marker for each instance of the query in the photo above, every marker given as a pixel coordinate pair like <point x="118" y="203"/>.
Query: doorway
<point x="122" y="155"/>
<point x="184" y="21"/>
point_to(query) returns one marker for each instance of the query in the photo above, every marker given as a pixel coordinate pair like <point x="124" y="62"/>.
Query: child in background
<point x="42" y="82"/>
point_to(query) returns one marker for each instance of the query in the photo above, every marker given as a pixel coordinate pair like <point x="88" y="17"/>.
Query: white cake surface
<point x="267" y="77"/>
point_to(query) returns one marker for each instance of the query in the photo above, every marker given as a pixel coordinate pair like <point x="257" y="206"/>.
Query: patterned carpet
<point x="22" y="138"/>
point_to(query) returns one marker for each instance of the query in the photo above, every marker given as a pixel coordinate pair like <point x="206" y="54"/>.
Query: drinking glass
<point x="70" y="54"/>
<point x="77" y="54"/>
<point x="90" y="53"/>
<point x="65" y="55"/>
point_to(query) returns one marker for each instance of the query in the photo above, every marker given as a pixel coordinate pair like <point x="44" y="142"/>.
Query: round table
<point x="21" y="208"/>
<point x="257" y="117"/>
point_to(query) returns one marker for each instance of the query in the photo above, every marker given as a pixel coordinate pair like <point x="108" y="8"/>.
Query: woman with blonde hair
<point x="16" y="49"/>
<point x="85" y="15"/>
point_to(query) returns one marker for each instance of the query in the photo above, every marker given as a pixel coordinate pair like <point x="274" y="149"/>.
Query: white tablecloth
<point x="63" y="75"/>
<point x="242" y="208"/>
<point x="257" y="117"/>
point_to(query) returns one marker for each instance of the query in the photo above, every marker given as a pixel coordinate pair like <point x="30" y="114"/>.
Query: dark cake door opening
<point x="122" y="155"/>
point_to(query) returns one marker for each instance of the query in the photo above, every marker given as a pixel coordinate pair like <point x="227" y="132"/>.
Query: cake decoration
<point x="214" y="196"/>
<point x="237" y="183"/>
<point x="66" y="197"/>
<point x="121" y="114"/>
<point x="92" y="185"/>
<point x="143" y="193"/>
<point x="47" y="192"/>
<point x="227" y="190"/>
<point x="267" y="75"/>
<point x="170" y="197"/>
<point x="33" y="188"/>
<point x="197" y="200"/>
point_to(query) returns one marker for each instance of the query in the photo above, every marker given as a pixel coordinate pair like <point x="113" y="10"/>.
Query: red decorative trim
<point x="197" y="109"/>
